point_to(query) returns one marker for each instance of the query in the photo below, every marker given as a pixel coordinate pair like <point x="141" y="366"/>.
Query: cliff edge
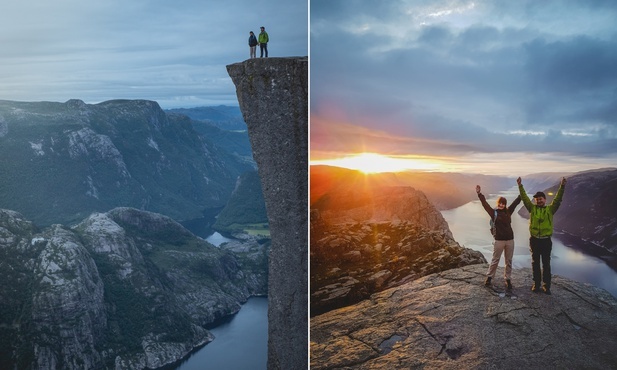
<point x="449" y="320"/>
<point x="273" y="97"/>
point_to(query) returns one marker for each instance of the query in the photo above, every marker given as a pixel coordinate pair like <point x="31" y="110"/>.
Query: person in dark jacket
<point x="503" y="234"/>
<point x="253" y="44"/>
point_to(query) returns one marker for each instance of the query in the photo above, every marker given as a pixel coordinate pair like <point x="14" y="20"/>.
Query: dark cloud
<point x="487" y="77"/>
<point x="573" y="66"/>
<point x="435" y="36"/>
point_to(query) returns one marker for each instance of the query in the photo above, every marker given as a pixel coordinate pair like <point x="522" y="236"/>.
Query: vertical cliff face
<point x="273" y="97"/>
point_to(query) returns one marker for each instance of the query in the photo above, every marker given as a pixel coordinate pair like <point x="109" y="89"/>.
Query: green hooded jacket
<point x="263" y="37"/>
<point x="541" y="218"/>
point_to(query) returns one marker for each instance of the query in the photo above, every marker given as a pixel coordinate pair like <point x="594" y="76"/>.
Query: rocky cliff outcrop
<point x="370" y="239"/>
<point x="273" y="97"/>
<point x="449" y="320"/>
<point x="126" y="289"/>
<point x="62" y="161"/>
<point x="588" y="209"/>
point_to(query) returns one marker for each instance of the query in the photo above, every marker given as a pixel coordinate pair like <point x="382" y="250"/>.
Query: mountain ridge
<point x="62" y="161"/>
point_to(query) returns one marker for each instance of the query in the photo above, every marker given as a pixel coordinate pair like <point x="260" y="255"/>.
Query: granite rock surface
<point x="450" y="320"/>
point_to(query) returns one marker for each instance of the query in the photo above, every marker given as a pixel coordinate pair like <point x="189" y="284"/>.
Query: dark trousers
<point x="262" y="47"/>
<point x="541" y="250"/>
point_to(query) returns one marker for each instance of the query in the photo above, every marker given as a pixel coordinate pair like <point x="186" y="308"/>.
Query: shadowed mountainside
<point x="59" y="162"/>
<point x="124" y="289"/>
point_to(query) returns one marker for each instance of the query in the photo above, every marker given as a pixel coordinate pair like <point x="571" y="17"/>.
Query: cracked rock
<point x="451" y="321"/>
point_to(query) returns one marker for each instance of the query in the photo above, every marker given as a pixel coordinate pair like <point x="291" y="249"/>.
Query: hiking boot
<point x="535" y="288"/>
<point x="546" y="290"/>
<point x="487" y="282"/>
<point x="508" y="284"/>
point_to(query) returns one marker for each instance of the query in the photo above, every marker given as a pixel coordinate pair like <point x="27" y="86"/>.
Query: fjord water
<point x="469" y="224"/>
<point x="240" y="344"/>
<point x="217" y="239"/>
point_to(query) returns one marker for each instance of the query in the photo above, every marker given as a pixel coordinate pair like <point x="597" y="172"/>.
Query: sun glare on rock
<point x="377" y="163"/>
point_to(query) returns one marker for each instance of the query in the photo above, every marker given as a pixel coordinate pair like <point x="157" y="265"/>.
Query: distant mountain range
<point x="222" y="125"/>
<point x="224" y="117"/>
<point x="59" y="162"/>
<point x="444" y="190"/>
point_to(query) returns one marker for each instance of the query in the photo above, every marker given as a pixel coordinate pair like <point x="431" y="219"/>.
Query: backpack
<point x="492" y="223"/>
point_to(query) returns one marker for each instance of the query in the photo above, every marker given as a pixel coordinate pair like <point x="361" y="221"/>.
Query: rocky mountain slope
<point x="449" y="320"/>
<point x="364" y="240"/>
<point x="588" y="209"/>
<point x="59" y="162"/>
<point x="124" y="289"/>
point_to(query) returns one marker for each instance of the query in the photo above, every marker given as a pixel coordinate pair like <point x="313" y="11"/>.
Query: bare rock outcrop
<point x="126" y="289"/>
<point x="273" y="97"/>
<point x="366" y="240"/>
<point x="449" y="320"/>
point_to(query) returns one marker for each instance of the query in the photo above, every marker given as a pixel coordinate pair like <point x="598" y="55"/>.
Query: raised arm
<point x="514" y="204"/>
<point x="554" y="206"/>
<point x="485" y="205"/>
<point x="521" y="190"/>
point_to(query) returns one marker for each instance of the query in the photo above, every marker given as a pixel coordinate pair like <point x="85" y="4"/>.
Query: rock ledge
<point x="449" y="320"/>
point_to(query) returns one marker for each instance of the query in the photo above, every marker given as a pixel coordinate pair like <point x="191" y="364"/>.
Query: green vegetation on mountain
<point x="246" y="209"/>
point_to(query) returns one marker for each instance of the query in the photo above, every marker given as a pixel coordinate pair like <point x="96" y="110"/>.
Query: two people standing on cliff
<point x="501" y="228"/>
<point x="261" y="40"/>
<point x="541" y="230"/>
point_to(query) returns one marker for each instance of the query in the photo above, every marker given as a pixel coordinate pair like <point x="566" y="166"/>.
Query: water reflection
<point x="217" y="239"/>
<point x="470" y="226"/>
<point x="240" y="344"/>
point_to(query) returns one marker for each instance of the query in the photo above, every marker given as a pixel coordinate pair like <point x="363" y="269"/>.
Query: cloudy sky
<point x="173" y="52"/>
<point x="507" y="87"/>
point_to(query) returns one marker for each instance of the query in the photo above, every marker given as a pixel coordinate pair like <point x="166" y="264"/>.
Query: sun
<point x="377" y="163"/>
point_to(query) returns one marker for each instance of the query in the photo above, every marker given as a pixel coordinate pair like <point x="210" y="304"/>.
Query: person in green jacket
<point x="541" y="230"/>
<point x="263" y="42"/>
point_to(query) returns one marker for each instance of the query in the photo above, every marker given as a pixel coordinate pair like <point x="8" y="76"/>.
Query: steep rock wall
<point x="273" y="97"/>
